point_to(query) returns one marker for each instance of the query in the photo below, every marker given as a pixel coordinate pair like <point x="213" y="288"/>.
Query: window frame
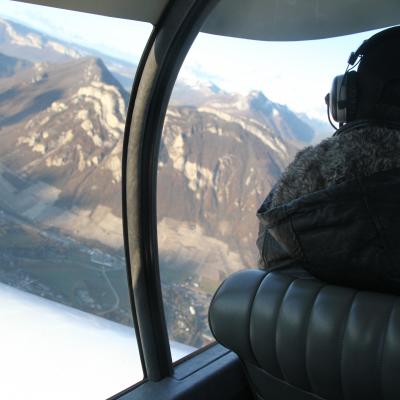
<point x="158" y="69"/>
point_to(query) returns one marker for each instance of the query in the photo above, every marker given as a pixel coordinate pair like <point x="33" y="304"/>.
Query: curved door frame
<point x="161" y="61"/>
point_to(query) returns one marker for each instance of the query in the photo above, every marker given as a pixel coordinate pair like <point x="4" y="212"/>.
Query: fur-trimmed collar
<point x="357" y="149"/>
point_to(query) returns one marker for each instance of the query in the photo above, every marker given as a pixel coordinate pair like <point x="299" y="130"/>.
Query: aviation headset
<point x="343" y="99"/>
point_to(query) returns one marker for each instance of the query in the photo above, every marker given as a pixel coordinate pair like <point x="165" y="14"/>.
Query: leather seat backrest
<point x="304" y="339"/>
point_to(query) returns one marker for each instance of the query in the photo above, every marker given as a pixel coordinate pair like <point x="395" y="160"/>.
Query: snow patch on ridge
<point x="176" y="153"/>
<point x="113" y="162"/>
<point x="198" y="176"/>
<point x="55" y="161"/>
<point x="58" y="106"/>
<point x="65" y="137"/>
<point x="81" y="163"/>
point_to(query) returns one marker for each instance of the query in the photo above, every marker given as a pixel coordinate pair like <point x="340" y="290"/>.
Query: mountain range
<point x="23" y="42"/>
<point x="62" y="115"/>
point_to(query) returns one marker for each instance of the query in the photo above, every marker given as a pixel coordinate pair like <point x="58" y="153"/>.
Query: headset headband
<point x="366" y="45"/>
<point x="356" y="94"/>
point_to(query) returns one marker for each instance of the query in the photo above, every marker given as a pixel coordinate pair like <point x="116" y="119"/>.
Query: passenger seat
<point x="304" y="339"/>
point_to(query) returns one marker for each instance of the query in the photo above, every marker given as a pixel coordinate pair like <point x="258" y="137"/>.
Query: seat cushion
<point x="323" y="340"/>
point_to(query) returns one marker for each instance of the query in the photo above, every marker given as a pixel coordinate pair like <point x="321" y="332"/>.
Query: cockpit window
<point x="239" y="112"/>
<point x="65" y="81"/>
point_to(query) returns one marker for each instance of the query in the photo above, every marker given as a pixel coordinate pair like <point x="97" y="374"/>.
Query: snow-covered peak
<point x="275" y="112"/>
<point x="212" y="87"/>
<point x="208" y="87"/>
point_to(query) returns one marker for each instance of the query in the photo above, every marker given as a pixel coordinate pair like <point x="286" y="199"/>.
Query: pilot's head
<point x="373" y="91"/>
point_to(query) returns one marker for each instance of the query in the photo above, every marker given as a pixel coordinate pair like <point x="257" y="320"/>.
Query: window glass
<point x="65" y="81"/>
<point x="239" y="112"/>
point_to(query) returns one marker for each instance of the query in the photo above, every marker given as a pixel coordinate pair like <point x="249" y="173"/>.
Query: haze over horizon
<point x="296" y="74"/>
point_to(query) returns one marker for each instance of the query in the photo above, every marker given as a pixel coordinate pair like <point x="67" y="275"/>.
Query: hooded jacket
<point x="335" y="212"/>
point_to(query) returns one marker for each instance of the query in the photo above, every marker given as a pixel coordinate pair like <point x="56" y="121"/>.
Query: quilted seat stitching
<point x="384" y="336"/>
<point x="249" y="319"/>
<point x="276" y="329"/>
<point x="350" y="307"/>
<point x="276" y="321"/>
<point x="306" y="335"/>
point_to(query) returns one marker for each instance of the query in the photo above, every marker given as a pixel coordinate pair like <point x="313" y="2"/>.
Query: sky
<point x="297" y="74"/>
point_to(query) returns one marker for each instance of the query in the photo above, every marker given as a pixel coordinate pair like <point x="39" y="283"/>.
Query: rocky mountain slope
<point x="61" y="130"/>
<point x="278" y="118"/>
<point x="219" y="160"/>
<point x="62" y="117"/>
<point x="60" y="217"/>
<point x="23" y="42"/>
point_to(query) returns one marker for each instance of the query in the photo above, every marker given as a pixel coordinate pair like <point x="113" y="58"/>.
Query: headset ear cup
<point x="333" y="99"/>
<point x="351" y="84"/>
<point x="337" y="106"/>
<point x="343" y="97"/>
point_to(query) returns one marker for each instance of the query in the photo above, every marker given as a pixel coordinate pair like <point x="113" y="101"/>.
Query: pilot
<point x="335" y="212"/>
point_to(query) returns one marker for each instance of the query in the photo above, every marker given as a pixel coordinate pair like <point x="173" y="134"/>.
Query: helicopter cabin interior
<point x="129" y="194"/>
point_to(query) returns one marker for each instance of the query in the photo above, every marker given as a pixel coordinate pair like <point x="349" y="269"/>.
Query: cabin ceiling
<point x="260" y="19"/>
